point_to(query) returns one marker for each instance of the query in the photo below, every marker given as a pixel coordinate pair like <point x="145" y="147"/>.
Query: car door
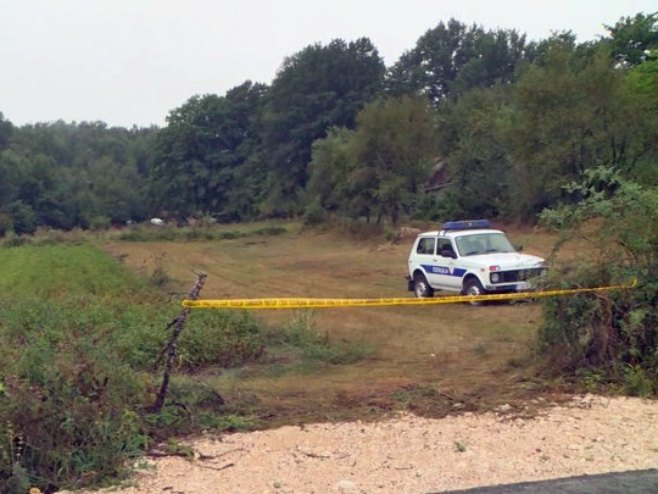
<point x="448" y="275"/>
<point x="423" y="256"/>
<point x="435" y="266"/>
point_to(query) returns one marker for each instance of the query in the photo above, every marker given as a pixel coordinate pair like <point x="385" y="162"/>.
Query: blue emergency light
<point x="465" y="225"/>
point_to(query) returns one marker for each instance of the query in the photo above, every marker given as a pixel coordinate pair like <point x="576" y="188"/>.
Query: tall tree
<point x="473" y="141"/>
<point x="632" y="38"/>
<point x="65" y="175"/>
<point x="640" y="96"/>
<point x="318" y="88"/>
<point x="329" y="170"/>
<point x="6" y="130"/>
<point x="379" y="169"/>
<point x="452" y="58"/>
<point x="396" y="140"/>
<point x="206" y="140"/>
<point x="571" y="115"/>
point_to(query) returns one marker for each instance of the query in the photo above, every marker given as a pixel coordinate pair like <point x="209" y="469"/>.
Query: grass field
<point x="432" y="360"/>
<point x="84" y="320"/>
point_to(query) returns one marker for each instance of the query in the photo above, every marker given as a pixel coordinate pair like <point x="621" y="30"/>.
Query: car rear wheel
<point x="422" y="289"/>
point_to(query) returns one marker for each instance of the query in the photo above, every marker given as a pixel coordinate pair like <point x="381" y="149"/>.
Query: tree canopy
<point x="316" y="89"/>
<point x="340" y="133"/>
<point x="452" y="58"/>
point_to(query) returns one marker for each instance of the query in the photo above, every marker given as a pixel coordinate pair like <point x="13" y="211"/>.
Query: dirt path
<point x="415" y="455"/>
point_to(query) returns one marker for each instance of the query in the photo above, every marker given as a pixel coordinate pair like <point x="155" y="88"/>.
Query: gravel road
<point x="409" y="454"/>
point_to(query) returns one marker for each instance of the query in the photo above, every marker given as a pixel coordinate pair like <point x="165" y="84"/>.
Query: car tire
<point x="422" y="288"/>
<point x="473" y="287"/>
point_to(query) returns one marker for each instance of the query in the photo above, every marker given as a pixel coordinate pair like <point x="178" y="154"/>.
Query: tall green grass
<point x="80" y="336"/>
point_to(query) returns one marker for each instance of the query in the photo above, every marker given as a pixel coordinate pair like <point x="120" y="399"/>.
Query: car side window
<point x="445" y="245"/>
<point x="426" y="246"/>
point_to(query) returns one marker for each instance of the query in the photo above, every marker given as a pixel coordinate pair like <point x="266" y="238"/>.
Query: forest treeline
<point x="338" y="133"/>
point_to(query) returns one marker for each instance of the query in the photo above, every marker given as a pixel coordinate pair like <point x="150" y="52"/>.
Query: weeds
<point x="221" y="338"/>
<point x="592" y="380"/>
<point x="79" y="335"/>
<point x="159" y="277"/>
<point x="176" y="449"/>
<point x="301" y="333"/>
<point x="480" y="350"/>
<point x="423" y="398"/>
<point x="149" y="233"/>
<point x="637" y="381"/>
<point x="615" y="334"/>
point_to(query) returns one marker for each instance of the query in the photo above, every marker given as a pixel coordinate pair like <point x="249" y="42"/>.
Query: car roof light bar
<point x="465" y="225"/>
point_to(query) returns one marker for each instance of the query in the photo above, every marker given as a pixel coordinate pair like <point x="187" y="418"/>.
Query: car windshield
<point x="483" y="243"/>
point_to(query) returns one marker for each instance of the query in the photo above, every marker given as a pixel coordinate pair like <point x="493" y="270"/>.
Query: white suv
<point x="470" y="258"/>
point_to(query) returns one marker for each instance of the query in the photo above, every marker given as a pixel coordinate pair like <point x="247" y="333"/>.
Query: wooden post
<point x="177" y="324"/>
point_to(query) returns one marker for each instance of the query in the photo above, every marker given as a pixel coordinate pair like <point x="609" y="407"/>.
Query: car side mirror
<point x="518" y="247"/>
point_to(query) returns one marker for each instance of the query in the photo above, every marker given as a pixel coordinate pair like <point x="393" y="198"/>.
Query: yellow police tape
<point x="325" y="303"/>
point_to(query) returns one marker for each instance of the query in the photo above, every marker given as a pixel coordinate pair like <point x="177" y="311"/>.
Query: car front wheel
<point x="473" y="287"/>
<point x="422" y="289"/>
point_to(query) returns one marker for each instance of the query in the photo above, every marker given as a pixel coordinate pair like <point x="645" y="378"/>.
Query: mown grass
<point x="473" y="358"/>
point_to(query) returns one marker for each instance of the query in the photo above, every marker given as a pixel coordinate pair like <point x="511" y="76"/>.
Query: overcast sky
<point x="129" y="62"/>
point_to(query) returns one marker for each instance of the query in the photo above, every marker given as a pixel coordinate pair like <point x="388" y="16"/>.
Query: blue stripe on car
<point x="429" y="268"/>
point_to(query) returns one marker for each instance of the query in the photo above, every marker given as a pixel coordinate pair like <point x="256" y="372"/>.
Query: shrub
<point x="66" y="399"/>
<point x="13" y="240"/>
<point x="613" y="333"/>
<point x="300" y="332"/>
<point x="314" y="214"/>
<point x="99" y="223"/>
<point x="80" y="335"/>
<point x="221" y="338"/>
<point x="6" y="224"/>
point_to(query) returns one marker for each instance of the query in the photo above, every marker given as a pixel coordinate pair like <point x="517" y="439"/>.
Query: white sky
<point x="130" y="62"/>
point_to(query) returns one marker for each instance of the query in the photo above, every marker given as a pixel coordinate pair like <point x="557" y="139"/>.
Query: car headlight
<point x="495" y="277"/>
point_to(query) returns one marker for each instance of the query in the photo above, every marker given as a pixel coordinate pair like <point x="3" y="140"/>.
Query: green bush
<point x="314" y="214"/>
<point x="80" y="338"/>
<point x="638" y="381"/>
<point x="197" y="234"/>
<point x="6" y="224"/>
<point x="13" y="240"/>
<point x="301" y="333"/>
<point x="67" y="399"/>
<point x="613" y="335"/>
<point x="99" y="223"/>
<point x="220" y="338"/>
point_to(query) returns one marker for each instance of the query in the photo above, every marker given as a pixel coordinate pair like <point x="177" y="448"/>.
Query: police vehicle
<point x="471" y="258"/>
